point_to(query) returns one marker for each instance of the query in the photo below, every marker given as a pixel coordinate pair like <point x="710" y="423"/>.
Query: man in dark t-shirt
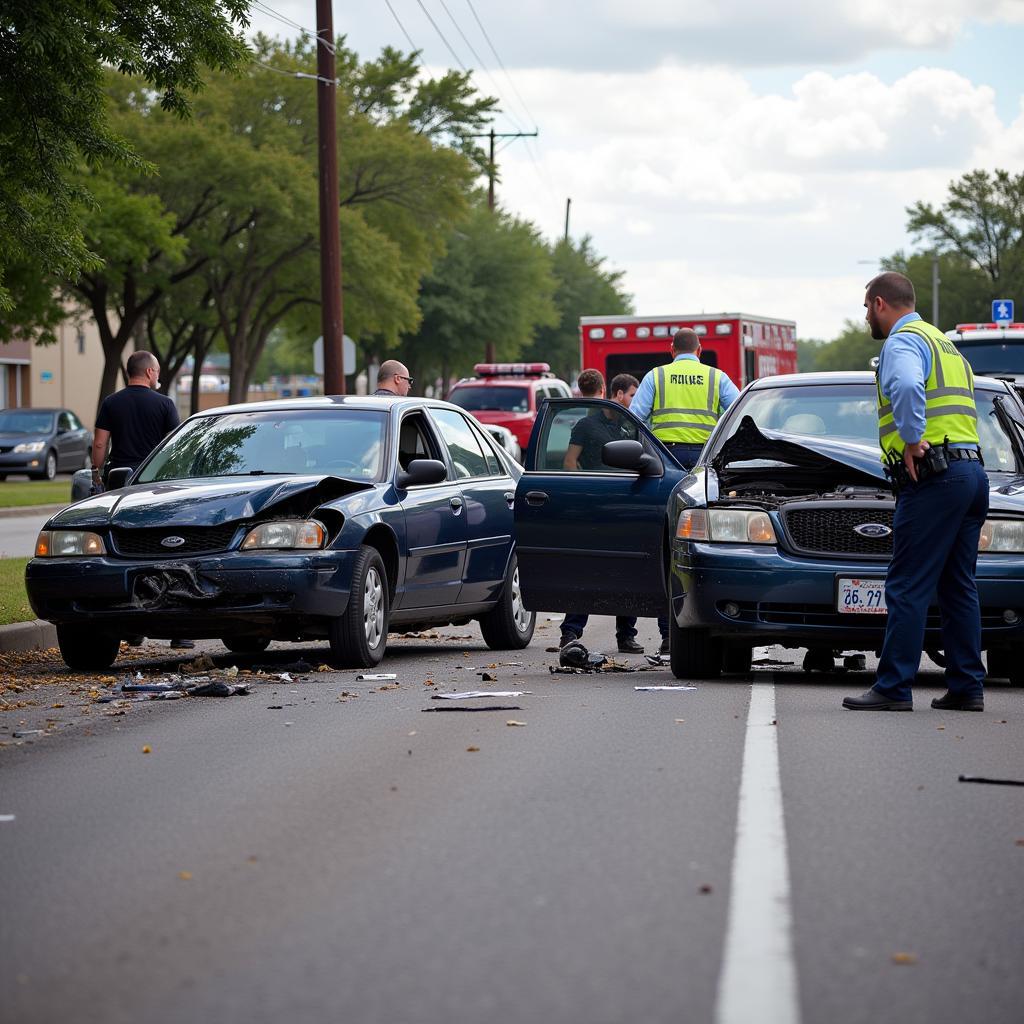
<point x="134" y="420"/>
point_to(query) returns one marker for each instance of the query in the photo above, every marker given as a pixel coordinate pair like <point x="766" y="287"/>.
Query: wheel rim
<point x="51" y="466"/>
<point x="520" y="615"/>
<point x="373" y="608"/>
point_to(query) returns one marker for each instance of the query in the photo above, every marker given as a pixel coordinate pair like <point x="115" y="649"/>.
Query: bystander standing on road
<point x="928" y="431"/>
<point x="681" y="402"/>
<point x="588" y="437"/>
<point x="393" y="380"/>
<point x="133" y="421"/>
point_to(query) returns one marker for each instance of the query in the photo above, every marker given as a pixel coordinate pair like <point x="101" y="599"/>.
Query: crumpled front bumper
<point x="196" y="597"/>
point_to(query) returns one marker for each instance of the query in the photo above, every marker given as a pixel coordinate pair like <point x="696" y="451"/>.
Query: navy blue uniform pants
<point x="625" y="627"/>
<point x="935" y="553"/>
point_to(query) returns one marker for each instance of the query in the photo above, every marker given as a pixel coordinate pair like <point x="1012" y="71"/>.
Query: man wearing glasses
<point x="393" y="379"/>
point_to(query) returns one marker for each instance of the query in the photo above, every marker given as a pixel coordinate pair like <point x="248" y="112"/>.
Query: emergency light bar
<point x="989" y="327"/>
<point x="511" y="369"/>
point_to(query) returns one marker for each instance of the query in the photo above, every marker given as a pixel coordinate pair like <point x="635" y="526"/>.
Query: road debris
<point x="369" y="677"/>
<point x="991" y="782"/>
<point x="474" y="694"/>
<point x="656" y="659"/>
<point x="6" y="817"/>
<point x="513" y="722"/>
<point x="487" y="677"/>
<point x="904" y="959"/>
<point x="147" y="749"/>
<point x="20" y="734"/>
<point x="489" y="707"/>
<point x="472" y="750"/>
<point x="665" y="688"/>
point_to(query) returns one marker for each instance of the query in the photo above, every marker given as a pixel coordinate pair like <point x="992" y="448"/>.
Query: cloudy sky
<point x="725" y="154"/>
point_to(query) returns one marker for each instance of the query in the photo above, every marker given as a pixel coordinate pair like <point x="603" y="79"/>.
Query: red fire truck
<point x="743" y="346"/>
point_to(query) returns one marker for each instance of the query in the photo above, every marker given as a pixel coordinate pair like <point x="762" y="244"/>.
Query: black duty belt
<point x="958" y="454"/>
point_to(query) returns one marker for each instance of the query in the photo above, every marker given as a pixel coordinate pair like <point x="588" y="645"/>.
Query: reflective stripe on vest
<point x="685" y="412"/>
<point x="949" y="408"/>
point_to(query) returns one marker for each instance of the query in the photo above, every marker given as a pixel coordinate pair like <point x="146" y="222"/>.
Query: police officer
<point x="928" y="430"/>
<point x="682" y="402"/>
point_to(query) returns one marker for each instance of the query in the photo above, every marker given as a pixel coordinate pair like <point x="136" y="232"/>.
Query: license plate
<point x="861" y="597"/>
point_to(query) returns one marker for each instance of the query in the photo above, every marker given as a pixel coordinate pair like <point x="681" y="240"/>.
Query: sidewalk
<point x="31" y="510"/>
<point x="28" y="636"/>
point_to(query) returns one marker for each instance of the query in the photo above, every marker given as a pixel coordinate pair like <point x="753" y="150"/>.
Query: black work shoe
<point x="566" y="638"/>
<point x="875" y="701"/>
<point x="958" y="702"/>
<point x="665" y="647"/>
<point x="627" y="645"/>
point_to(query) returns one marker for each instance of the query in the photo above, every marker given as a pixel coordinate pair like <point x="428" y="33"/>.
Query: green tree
<point x="583" y="287"/>
<point x="494" y="284"/>
<point x="852" y="349"/>
<point x="52" y="107"/>
<point x="982" y="220"/>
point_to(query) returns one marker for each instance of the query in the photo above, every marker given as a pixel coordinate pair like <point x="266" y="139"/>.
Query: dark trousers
<point x="625" y="627"/>
<point x="935" y="552"/>
<point x="685" y="454"/>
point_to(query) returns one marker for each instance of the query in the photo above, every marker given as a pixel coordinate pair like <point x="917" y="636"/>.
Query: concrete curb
<point x="31" y="510"/>
<point x="28" y="636"/>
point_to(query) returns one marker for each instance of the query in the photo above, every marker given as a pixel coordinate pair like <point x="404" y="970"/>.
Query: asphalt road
<point x="18" y="534"/>
<point x="355" y="859"/>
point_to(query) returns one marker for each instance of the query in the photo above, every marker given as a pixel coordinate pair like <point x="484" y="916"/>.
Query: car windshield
<point x="993" y="357"/>
<point x="25" y="421"/>
<point x="488" y="398"/>
<point x="343" y="442"/>
<point x="847" y="412"/>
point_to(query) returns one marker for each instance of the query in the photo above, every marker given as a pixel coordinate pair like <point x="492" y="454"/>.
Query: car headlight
<point x="29" y="447"/>
<point x="727" y="526"/>
<point x="68" y="544"/>
<point x="306" y="533"/>
<point x="1002" y="535"/>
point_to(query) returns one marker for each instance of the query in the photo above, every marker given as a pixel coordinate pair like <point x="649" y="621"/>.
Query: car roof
<point x="313" y="402"/>
<point x="37" y="408"/>
<point x="788" y="380"/>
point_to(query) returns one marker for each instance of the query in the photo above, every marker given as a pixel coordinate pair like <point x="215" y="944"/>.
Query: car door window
<point x="415" y="441"/>
<point x="575" y="436"/>
<point x="466" y="452"/>
<point x="64" y="422"/>
<point x="74" y="421"/>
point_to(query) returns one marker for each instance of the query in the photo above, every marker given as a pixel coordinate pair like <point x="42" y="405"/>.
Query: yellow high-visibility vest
<point x="949" y="407"/>
<point x="686" y="402"/>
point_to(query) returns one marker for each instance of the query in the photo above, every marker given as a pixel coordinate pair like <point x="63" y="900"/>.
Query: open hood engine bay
<point x="769" y="468"/>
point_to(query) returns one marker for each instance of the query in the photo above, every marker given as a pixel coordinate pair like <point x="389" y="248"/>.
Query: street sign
<point x="1002" y="311"/>
<point x="348" y="355"/>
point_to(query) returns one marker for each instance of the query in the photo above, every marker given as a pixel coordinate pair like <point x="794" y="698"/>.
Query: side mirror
<point x="421" y="471"/>
<point x="630" y="455"/>
<point x="119" y="477"/>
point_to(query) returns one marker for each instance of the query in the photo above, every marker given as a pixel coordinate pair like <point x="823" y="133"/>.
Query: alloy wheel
<point x="373" y="608"/>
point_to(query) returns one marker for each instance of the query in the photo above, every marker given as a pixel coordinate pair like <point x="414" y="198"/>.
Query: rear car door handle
<point x="536" y="498"/>
<point x="456" y="504"/>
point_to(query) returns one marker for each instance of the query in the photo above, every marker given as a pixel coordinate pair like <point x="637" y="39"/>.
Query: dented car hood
<point x="755" y="453"/>
<point x="206" y="502"/>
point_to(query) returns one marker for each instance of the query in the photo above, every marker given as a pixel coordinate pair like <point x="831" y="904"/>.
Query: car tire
<point x="694" y="653"/>
<point x="49" y="470"/>
<point x="508" y="626"/>
<point x="245" y="644"/>
<point x="82" y="647"/>
<point x="359" y="636"/>
<point x="737" y="658"/>
<point x="1006" y="663"/>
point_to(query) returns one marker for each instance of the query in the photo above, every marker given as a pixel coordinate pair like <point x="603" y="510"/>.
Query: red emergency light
<point x="511" y="369"/>
<point x="988" y="327"/>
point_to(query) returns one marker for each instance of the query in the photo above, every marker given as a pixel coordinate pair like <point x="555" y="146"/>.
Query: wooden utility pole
<point x="491" y="172"/>
<point x="568" y="203"/>
<point x="332" y="324"/>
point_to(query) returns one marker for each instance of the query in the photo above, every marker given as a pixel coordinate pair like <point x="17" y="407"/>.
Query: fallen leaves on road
<point x="905" y="959"/>
<point x="185" y="876"/>
<point x="147" y="749"/>
<point x="472" y="750"/>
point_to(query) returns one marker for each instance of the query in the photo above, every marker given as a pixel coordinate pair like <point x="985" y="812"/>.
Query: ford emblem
<point x="873" y="530"/>
<point x="176" y="542"/>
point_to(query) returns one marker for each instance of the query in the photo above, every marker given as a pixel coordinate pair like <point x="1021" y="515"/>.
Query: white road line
<point x="758" y="978"/>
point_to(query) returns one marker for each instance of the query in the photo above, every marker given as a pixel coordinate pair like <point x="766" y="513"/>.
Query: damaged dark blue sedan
<point x="322" y="518"/>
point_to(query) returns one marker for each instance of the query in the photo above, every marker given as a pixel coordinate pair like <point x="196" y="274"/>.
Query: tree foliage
<point x="965" y="292"/>
<point x="52" y="108"/>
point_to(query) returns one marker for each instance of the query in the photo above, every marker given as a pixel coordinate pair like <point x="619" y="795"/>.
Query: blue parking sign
<point x="1002" y="310"/>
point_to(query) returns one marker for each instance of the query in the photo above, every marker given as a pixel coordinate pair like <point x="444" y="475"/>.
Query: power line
<point x="271" y="13"/>
<point x="437" y="29"/>
<point x="297" y="74"/>
<point x="501" y="63"/>
<point x="408" y="38"/>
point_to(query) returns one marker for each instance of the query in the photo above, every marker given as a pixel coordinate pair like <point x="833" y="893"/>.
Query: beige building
<point x="68" y="374"/>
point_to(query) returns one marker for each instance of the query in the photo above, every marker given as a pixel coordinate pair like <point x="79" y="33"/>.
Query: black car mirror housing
<point x="119" y="477"/>
<point x="630" y="455"/>
<point x="422" y="471"/>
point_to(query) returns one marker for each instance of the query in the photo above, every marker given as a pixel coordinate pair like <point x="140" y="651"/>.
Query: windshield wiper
<point x="259" y="472"/>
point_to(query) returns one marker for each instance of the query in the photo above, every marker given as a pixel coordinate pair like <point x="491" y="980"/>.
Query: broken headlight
<point x="68" y="543"/>
<point x="303" y="534"/>
<point x="727" y="526"/>
<point x="1002" y="535"/>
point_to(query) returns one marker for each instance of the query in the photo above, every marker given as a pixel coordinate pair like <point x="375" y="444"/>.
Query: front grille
<point x="199" y="540"/>
<point x="780" y="614"/>
<point x="830" y="531"/>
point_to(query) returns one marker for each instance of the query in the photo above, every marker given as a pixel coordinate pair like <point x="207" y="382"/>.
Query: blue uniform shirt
<point x="643" y="400"/>
<point x="904" y="366"/>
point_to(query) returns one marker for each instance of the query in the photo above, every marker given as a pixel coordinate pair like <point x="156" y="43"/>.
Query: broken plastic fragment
<point x="367" y="677"/>
<point x="471" y="694"/>
<point x="673" y="688"/>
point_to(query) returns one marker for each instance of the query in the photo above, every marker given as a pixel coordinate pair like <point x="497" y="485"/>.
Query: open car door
<point x="592" y="536"/>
